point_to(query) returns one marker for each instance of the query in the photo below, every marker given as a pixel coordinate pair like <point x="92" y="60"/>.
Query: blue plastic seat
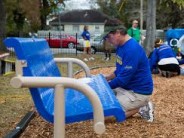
<point x="40" y="62"/>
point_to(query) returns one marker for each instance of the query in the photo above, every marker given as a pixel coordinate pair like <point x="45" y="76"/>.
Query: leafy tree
<point x="15" y="17"/>
<point x="106" y="7"/>
<point x="2" y="25"/>
<point x="31" y="10"/>
<point x="19" y="19"/>
<point x="47" y="7"/>
<point x="172" y="11"/>
<point x="113" y="8"/>
<point x="167" y="2"/>
<point x="29" y="14"/>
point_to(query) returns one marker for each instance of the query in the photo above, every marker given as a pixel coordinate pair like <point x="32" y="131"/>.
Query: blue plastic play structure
<point x="173" y="35"/>
<point x="40" y="62"/>
<point x="175" y="38"/>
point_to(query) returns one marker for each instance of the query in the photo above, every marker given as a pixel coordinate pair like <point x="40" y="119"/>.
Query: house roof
<point x="84" y="16"/>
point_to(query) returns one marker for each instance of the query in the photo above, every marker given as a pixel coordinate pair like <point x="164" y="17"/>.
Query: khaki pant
<point x="130" y="100"/>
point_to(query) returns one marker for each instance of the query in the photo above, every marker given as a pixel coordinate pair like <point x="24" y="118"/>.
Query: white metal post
<point x="76" y="61"/>
<point x="19" y="64"/>
<point x="59" y="112"/>
<point x="70" y="69"/>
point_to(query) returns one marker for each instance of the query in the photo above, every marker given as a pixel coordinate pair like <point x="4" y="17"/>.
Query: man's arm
<point x="110" y="76"/>
<point x="127" y="69"/>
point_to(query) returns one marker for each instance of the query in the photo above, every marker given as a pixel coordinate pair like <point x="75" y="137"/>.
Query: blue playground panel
<point x="40" y="62"/>
<point x="174" y="34"/>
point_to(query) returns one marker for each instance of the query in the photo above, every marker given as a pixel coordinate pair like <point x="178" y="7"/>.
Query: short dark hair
<point x="113" y="29"/>
<point x="121" y="29"/>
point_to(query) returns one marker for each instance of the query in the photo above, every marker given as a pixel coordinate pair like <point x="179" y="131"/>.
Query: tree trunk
<point x="2" y="26"/>
<point x="44" y="8"/>
<point x="150" y="26"/>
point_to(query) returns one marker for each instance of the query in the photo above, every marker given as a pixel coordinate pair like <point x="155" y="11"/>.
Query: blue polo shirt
<point x="164" y="51"/>
<point x="86" y="35"/>
<point x="132" y="69"/>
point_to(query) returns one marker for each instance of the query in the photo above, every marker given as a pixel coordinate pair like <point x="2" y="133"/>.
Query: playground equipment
<point x="181" y="44"/>
<point x="175" y="38"/>
<point x="56" y="97"/>
<point x="6" y="66"/>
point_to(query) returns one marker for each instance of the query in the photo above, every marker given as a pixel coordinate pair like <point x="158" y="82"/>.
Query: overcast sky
<point x="81" y="4"/>
<point x="78" y="4"/>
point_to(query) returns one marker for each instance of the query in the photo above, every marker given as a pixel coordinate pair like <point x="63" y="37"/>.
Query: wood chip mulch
<point x="169" y="116"/>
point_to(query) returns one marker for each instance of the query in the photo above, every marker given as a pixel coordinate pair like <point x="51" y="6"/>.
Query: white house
<point x="73" y="22"/>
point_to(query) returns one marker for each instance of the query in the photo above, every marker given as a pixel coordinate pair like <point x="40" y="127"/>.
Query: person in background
<point x="107" y="49"/>
<point x="86" y="43"/>
<point x="164" y="58"/>
<point x="132" y="80"/>
<point x="134" y="31"/>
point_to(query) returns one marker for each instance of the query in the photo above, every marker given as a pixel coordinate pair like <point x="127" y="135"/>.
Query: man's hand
<point x="109" y="76"/>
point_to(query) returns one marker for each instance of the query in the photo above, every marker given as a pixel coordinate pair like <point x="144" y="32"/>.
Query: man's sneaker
<point x="104" y="58"/>
<point x="166" y="74"/>
<point x="169" y="74"/>
<point x="85" y="59"/>
<point x="91" y="58"/>
<point x="163" y="73"/>
<point x="107" y="59"/>
<point x="147" y="112"/>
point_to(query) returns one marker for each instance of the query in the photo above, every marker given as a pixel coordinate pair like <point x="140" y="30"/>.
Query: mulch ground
<point x="169" y="117"/>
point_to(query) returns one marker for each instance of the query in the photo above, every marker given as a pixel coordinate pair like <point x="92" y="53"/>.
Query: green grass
<point x="97" y="62"/>
<point x="15" y="103"/>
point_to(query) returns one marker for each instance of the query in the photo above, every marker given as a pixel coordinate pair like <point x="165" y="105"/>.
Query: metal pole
<point x="70" y="69"/>
<point x="76" y="36"/>
<point x="60" y="31"/>
<point x="76" y="61"/>
<point x="141" y="15"/>
<point x="59" y="112"/>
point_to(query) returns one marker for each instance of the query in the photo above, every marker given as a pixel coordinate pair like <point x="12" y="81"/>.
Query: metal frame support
<point x="19" y="64"/>
<point x="70" y="62"/>
<point x="60" y="83"/>
<point x="59" y="110"/>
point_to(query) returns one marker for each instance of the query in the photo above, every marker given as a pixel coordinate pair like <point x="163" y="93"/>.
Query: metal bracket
<point x="19" y="65"/>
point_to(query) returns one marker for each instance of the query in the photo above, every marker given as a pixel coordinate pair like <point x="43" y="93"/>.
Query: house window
<point x="75" y="28"/>
<point x="61" y="28"/>
<point x="97" y="29"/>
